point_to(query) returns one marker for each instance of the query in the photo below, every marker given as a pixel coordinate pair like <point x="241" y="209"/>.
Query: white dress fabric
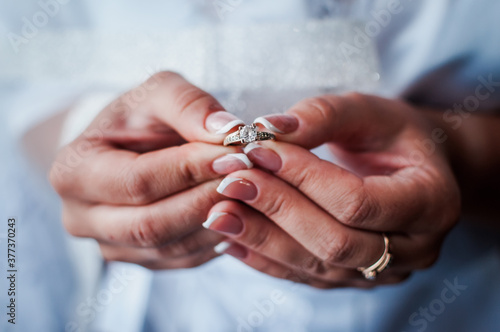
<point x="429" y="52"/>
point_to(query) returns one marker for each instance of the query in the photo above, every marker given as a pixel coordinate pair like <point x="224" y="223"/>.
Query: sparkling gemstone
<point x="248" y="134"/>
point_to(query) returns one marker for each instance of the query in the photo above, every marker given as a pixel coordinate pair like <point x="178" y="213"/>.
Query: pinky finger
<point x="273" y="268"/>
<point x="277" y="270"/>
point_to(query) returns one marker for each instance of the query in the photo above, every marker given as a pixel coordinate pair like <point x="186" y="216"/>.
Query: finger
<point x="142" y="140"/>
<point x="194" y="243"/>
<point x="122" y="177"/>
<point x="353" y="121"/>
<point x="153" y="225"/>
<point x="254" y="231"/>
<point x="278" y="270"/>
<point x="397" y="202"/>
<point x="268" y="266"/>
<point x="317" y="231"/>
<point x="306" y="222"/>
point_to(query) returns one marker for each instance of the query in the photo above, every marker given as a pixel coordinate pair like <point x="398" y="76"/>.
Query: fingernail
<point x="237" y="188"/>
<point x="213" y="217"/>
<point x="222" y="122"/>
<point x="221" y="247"/>
<point x="231" y="162"/>
<point x="226" y="223"/>
<point x="279" y="123"/>
<point x="263" y="157"/>
<point x="232" y="249"/>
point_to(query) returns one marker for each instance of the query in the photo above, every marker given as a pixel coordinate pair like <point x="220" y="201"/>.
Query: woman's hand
<point x="131" y="181"/>
<point x="315" y="222"/>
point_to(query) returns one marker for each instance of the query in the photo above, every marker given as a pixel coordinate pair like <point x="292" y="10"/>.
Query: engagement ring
<point x="247" y="134"/>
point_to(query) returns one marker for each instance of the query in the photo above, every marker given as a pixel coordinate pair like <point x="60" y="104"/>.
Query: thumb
<point x="193" y="113"/>
<point x="353" y="121"/>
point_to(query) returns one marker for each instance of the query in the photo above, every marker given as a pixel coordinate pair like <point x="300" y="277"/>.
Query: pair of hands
<point x="150" y="175"/>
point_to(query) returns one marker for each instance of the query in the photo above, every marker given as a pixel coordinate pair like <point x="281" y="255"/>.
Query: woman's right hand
<point x="133" y="182"/>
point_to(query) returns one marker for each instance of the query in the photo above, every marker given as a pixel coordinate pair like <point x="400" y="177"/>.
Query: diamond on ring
<point x="247" y="134"/>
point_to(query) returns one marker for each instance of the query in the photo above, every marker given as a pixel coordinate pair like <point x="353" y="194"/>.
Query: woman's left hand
<point x="312" y="221"/>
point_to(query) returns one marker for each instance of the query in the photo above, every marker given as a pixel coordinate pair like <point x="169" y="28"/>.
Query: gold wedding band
<point x="371" y="272"/>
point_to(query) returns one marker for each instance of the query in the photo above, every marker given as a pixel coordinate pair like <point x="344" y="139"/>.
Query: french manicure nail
<point x="221" y="247"/>
<point x="213" y="217"/>
<point x="231" y="162"/>
<point x="237" y="188"/>
<point x="232" y="249"/>
<point x="226" y="223"/>
<point x="237" y="251"/>
<point x="263" y="157"/>
<point x="222" y="122"/>
<point x="279" y="123"/>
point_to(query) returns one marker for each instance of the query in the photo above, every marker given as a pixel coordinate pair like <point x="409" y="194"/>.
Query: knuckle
<point x="136" y="186"/>
<point x="338" y="250"/>
<point x="163" y="76"/>
<point x="296" y="276"/>
<point x="258" y="240"/>
<point x="304" y="177"/>
<point x="188" y="171"/>
<point x="277" y="207"/>
<point x="145" y="233"/>
<point x="358" y="208"/>
<point x="321" y="107"/>
<point x="190" y="95"/>
<point x="190" y="163"/>
<point x="314" y="266"/>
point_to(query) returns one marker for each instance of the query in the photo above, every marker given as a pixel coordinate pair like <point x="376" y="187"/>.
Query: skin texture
<point x="143" y="192"/>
